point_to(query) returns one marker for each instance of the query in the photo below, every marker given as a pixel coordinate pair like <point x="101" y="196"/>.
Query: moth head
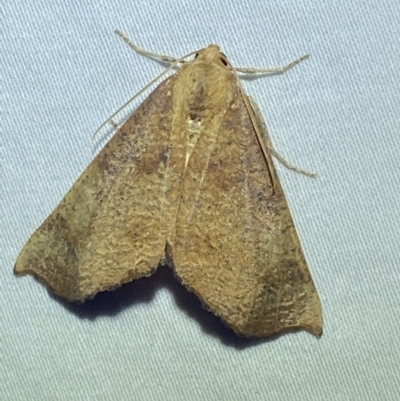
<point x="212" y="54"/>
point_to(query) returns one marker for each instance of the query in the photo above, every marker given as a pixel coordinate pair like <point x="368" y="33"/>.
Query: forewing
<point x="236" y="246"/>
<point x="111" y="227"/>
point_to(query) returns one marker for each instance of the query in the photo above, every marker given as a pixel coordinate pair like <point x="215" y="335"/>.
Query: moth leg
<point x="262" y="126"/>
<point x="144" y="52"/>
<point x="273" y="70"/>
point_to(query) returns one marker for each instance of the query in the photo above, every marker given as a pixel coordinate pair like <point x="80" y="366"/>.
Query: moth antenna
<point x="255" y="114"/>
<point x="260" y="126"/>
<point x="174" y="62"/>
<point x="147" y="53"/>
<point x="272" y="70"/>
<point x="131" y="99"/>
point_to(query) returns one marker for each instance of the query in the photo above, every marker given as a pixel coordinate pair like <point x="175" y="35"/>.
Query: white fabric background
<point x="64" y="72"/>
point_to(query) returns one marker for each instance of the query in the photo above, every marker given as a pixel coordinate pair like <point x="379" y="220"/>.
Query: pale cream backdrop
<point x="64" y="72"/>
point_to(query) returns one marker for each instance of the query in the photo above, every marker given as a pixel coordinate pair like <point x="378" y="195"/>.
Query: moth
<point x="187" y="181"/>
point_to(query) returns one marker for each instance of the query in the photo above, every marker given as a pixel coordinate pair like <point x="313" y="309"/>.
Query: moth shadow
<point x="143" y="291"/>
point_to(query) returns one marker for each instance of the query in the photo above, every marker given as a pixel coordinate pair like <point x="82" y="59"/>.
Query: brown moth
<point x="187" y="181"/>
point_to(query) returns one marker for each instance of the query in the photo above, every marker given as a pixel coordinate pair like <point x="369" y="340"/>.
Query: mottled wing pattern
<point x="236" y="246"/>
<point x="111" y="227"/>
